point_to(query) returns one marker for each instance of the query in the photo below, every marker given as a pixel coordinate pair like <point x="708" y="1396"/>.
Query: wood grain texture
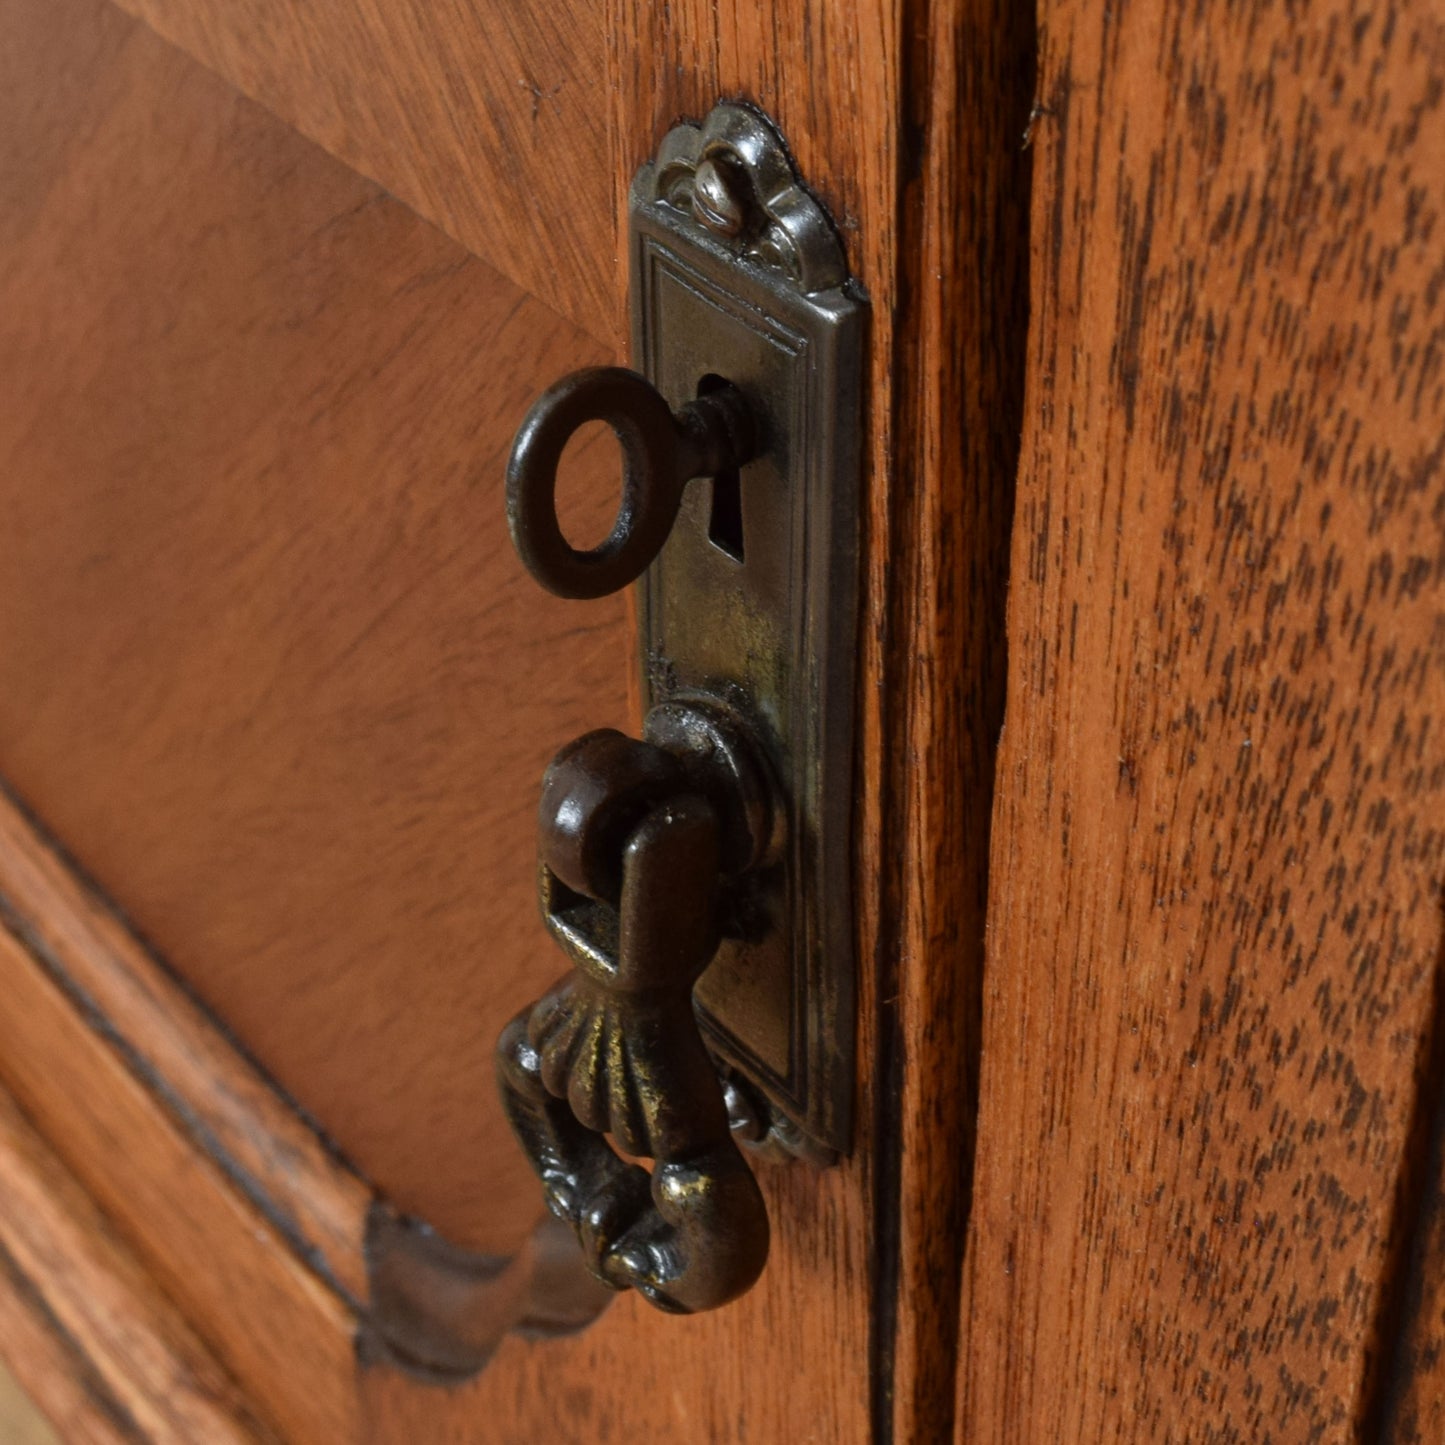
<point x="230" y="1110"/>
<point x="486" y="117"/>
<point x="103" y="1354"/>
<point x="1406" y="1405"/>
<point x="1412" y="1404"/>
<point x="959" y="369"/>
<point x="271" y="1320"/>
<point x="83" y="990"/>
<point x="268" y="665"/>
<point x="1215" y="908"/>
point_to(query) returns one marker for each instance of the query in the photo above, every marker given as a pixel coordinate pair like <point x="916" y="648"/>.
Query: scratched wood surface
<point x="1215" y="910"/>
<point x="489" y="118"/>
<point x="103" y="1353"/>
<point x="268" y="665"/>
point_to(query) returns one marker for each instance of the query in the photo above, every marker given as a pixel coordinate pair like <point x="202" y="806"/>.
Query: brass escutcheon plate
<point x="738" y="275"/>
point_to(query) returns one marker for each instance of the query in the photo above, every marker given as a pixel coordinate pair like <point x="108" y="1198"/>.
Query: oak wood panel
<point x="832" y="1369"/>
<point x="231" y="1270"/>
<point x="90" y="996"/>
<point x="104" y="1355"/>
<point x="489" y="118"/>
<point x="268" y="666"/>
<point x="1215" y="920"/>
<point x="169" y="1039"/>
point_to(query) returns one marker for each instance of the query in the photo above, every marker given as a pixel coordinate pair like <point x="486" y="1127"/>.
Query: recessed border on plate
<point x="758" y="295"/>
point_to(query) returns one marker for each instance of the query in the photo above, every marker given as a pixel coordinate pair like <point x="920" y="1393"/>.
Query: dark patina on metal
<point x="642" y="851"/>
<point x="661" y="452"/>
<point x="699" y="880"/>
<point x="737" y="273"/>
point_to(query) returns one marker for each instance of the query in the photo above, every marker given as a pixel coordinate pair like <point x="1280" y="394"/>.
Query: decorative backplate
<point x="738" y="276"/>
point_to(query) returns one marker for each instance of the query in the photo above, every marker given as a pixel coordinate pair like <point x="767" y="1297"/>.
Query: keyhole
<point x="725" y="524"/>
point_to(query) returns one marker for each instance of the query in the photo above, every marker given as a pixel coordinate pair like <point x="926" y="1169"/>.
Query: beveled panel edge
<point x="405" y="1295"/>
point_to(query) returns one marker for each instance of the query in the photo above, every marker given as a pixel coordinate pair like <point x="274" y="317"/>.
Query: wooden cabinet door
<point x="1207" y="1202"/>
<point x="1148" y="1027"/>
<point x="277" y="281"/>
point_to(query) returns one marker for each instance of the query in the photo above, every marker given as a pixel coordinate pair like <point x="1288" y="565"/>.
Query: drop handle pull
<point x="642" y="842"/>
<point x="662" y="450"/>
